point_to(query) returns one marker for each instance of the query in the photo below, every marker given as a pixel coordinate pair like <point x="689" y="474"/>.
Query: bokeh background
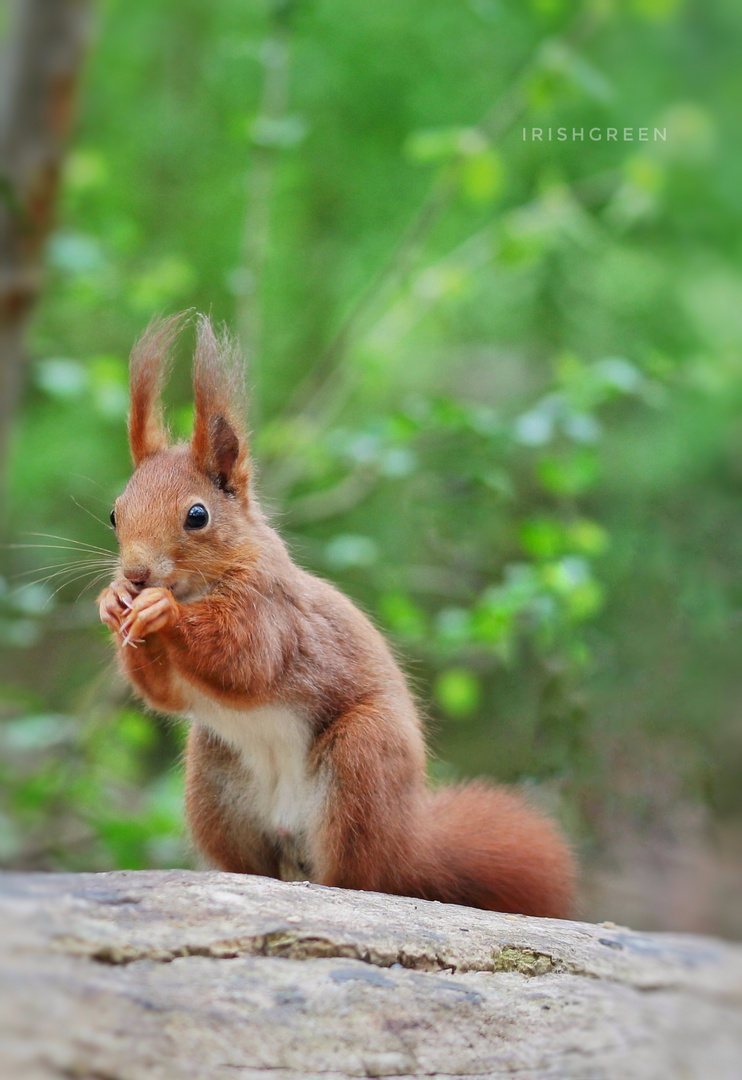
<point x="496" y="397"/>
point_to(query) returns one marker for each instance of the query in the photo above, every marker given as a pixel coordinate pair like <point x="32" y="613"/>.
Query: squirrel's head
<point x="184" y="517"/>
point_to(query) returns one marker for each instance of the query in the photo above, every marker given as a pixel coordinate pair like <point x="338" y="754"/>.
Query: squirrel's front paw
<point x="115" y="602"/>
<point x="151" y="611"/>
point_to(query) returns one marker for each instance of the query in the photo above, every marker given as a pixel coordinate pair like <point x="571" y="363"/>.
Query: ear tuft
<point x="219" y="443"/>
<point x="147" y="370"/>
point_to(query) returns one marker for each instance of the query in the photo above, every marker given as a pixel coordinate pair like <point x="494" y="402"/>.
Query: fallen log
<point x="163" y="975"/>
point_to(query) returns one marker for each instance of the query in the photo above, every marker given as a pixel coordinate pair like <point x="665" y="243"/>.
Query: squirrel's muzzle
<point x="138" y="575"/>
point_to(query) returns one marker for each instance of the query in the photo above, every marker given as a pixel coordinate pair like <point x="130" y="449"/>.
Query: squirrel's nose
<point x="138" y="575"/>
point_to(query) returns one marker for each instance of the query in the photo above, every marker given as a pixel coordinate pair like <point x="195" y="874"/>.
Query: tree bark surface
<point x="39" y="67"/>
<point x="163" y="975"/>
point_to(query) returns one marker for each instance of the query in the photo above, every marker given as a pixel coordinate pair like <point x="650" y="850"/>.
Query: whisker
<point x="67" y="540"/>
<point x="199" y="571"/>
<point x="61" y="566"/>
<point x="70" y="581"/>
<point x="64" y="584"/>
<point x="90" y="584"/>
<point x="103" y="575"/>
<point x="105" y="524"/>
<point x="66" y="572"/>
<point x="72" y="573"/>
<point x="61" y="547"/>
<point x="89" y="480"/>
<point x="244" y="585"/>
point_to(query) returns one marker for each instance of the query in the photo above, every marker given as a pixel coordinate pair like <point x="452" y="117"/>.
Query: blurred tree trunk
<point x="41" y="59"/>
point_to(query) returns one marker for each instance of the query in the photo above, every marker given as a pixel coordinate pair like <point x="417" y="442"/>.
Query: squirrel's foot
<point x="151" y="611"/>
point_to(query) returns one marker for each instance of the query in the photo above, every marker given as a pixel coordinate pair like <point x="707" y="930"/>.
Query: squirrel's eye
<point x="113" y="518"/>
<point x="197" y="517"/>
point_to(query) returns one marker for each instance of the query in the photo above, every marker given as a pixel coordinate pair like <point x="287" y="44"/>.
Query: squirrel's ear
<point x="147" y="368"/>
<point x="219" y="443"/>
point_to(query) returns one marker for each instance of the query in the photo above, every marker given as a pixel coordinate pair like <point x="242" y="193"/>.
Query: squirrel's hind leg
<point x="375" y="769"/>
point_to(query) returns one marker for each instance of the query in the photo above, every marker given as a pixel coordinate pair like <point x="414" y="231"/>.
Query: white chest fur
<point x="273" y="742"/>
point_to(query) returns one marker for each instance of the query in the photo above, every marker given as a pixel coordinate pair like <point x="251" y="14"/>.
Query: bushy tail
<point x="485" y="847"/>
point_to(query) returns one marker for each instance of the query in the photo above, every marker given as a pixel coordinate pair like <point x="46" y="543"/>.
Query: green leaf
<point x="403" y="616"/>
<point x="282" y="133"/>
<point x="481" y="176"/>
<point x="543" y="538"/>
<point x="458" y="692"/>
<point x="136" y="731"/>
<point x="587" y="537"/>
<point x="569" y="475"/>
<point x="35" y="732"/>
<point x="75" y="253"/>
<point x="61" y="378"/>
<point x="432" y="145"/>
<point x="168" y="279"/>
<point x="86" y="170"/>
<point x="657" y="11"/>
<point x="453" y="626"/>
<point x="348" y="550"/>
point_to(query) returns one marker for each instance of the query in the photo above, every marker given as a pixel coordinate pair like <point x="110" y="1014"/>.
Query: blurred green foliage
<point x="496" y="382"/>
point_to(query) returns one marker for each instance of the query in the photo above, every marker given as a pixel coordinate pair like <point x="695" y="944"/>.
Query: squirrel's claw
<point x="153" y="610"/>
<point x="114" y="603"/>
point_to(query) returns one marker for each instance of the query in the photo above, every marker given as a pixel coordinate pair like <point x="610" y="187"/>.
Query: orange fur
<point x="147" y="369"/>
<point x="219" y="443"/>
<point x="306" y="756"/>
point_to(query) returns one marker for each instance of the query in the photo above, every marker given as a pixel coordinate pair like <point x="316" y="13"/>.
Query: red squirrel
<point x="305" y="757"/>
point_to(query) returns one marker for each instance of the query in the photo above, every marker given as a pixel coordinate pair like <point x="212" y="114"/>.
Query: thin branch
<point x="341" y="498"/>
<point x="267" y="147"/>
<point x="476" y="250"/>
